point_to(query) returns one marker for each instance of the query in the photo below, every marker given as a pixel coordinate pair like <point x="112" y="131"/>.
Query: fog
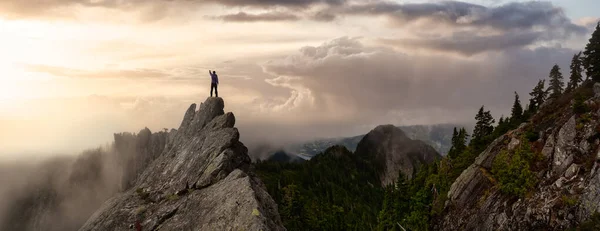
<point x="57" y="193"/>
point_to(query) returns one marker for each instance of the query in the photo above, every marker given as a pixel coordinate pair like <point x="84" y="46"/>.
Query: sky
<point x="73" y="72"/>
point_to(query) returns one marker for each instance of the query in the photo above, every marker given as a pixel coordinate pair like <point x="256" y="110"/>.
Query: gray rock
<point x="514" y="142"/>
<point x="137" y="151"/>
<point x="562" y="155"/>
<point x="559" y="183"/>
<point x="201" y="181"/>
<point x="572" y="171"/>
<point x="548" y="149"/>
<point x="590" y="198"/>
<point x="597" y="90"/>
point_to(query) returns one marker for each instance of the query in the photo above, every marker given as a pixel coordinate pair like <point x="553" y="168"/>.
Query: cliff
<point x="566" y="182"/>
<point x="200" y="181"/>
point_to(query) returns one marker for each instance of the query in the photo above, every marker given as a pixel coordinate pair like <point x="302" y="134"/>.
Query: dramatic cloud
<point x="245" y="17"/>
<point x="470" y="28"/>
<point x="368" y="83"/>
<point x="516" y="15"/>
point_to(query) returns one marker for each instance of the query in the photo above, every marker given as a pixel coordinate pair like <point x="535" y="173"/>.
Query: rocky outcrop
<point x="568" y="180"/>
<point x="393" y="152"/>
<point x="136" y="151"/>
<point x="200" y="181"/>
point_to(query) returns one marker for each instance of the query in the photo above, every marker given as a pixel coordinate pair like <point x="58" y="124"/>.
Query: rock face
<point x="200" y="181"/>
<point x="393" y="151"/>
<point x="568" y="181"/>
<point x="136" y="152"/>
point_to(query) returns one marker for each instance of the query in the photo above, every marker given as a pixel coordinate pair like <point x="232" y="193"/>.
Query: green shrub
<point x="173" y="197"/>
<point x="532" y="136"/>
<point x="579" y="106"/>
<point x="592" y="224"/>
<point x="142" y="194"/>
<point x="569" y="201"/>
<point x="513" y="171"/>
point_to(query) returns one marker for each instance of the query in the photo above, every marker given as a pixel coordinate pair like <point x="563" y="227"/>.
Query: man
<point x="214" y="83"/>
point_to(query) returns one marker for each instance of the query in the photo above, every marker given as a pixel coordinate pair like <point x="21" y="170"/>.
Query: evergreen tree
<point x="591" y="61"/>
<point x="459" y="142"/>
<point x="538" y="96"/>
<point x="462" y="140"/>
<point x="453" y="149"/>
<point x="576" y="70"/>
<point x="483" y="128"/>
<point x="556" y="82"/>
<point x="517" y="110"/>
<point x="502" y="127"/>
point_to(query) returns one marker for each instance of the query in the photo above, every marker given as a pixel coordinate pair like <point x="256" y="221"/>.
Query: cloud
<point x="149" y="10"/>
<point x="78" y="73"/>
<point x="468" y="28"/>
<point x="515" y="15"/>
<point x="467" y="43"/>
<point x="271" y="3"/>
<point x="369" y="84"/>
<point x="264" y="17"/>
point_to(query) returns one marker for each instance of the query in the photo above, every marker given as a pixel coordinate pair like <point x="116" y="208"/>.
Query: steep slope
<point x="200" y="181"/>
<point x="392" y="151"/>
<point x="560" y="149"/>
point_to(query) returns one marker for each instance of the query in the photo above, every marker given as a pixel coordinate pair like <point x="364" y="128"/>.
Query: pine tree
<point x="453" y="150"/>
<point x="462" y="139"/>
<point x="459" y="142"/>
<point x="576" y="70"/>
<point x="591" y="61"/>
<point x="556" y="82"/>
<point x="502" y="127"/>
<point x="517" y="110"/>
<point x="538" y="96"/>
<point x="483" y="127"/>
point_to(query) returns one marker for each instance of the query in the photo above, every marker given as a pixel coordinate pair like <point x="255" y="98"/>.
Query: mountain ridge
<point x="201" y="180"/>
<point x="438" y="136"/>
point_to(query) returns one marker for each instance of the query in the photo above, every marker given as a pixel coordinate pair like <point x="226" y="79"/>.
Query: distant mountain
<point x="338" y="189"/>
<point x="284" y="157"/>
<point x="438" y="136"/>
<point x="389" y="149"/>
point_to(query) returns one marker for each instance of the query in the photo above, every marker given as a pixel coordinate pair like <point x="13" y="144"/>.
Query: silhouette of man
<point x="214" y="83"/>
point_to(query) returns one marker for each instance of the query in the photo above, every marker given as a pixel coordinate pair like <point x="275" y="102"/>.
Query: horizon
<point x="71" y="76"/>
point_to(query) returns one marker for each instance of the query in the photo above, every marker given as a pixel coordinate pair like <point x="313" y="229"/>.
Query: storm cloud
<point x="470" y="28"/>
<point x="515" y="15"/>
<point x="375" y="82"/>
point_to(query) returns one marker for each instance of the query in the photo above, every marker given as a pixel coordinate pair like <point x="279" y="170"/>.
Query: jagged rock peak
<point x="201" y="181"/>
<point x="194" y="120"/>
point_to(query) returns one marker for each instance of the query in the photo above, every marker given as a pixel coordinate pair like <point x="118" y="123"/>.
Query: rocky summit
<point x="200" y="181"/>
<point x="393" y="152"/>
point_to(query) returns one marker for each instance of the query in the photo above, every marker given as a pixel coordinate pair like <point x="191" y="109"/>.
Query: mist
<point x="57" y="193"/>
